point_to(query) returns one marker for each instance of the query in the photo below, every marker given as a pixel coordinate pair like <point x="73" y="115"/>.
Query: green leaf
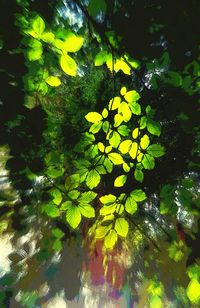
<point x="65" y="205"/>
<point x="153" y="128"/>
<point x="101" y="58"/>
<point x="57" y="245"/>
<point x="135" y="133"/>
<point x="193" y="291"/>
<point x="53" y="81"/>
<point x="73" y="194"/>
<point x="38" y="25"/>
<point x="87" y="197"/>
<point x="54" y="172"/>
<point x="139" y="175"/>
<point x="68" y="65"/>
<point x="105" y="126"/>
<point x="148" y="162"/>
<point x="57" y="196"/>
<point x="116" y="158"/>
<point x="108" y="199"/>
<point x="174" y="78"/>
<point x="87" y="210"/>
<point x="123" y="91"/>
<point x="48" y="37"/>
<point x="123" y="130"/>
<point x="108" y="164"/>
<point x="114" y="103"/>
<point x="144" y="142"/>
<point x="73" y="216"/>
<point x="156" y="150"/>
<point x="93" y="179"/>
<point x="125" y="111"/>
<point x="72" y="42"/>
<point x="35" y="54"/>
<point x="110" y="239"/>
<point x="94" y="117"/>
<point x="101" y="231"/>
<point x="51" y="210"/>
<point x="95" y="128"/>
<point x="118" y="119"/>
<point x="115" y="139"/>
<point x="72" y="181"/>
<point x="135" y="108"/>
<point x="133" y="150"/>
<point x="138" y="195"/>
<point x="132" y="96"/>
<point x="108" y="209"/>
<point x="142" y="122"/>
<point x="121" y="227"/>
<point x="57" y="233"/>
<point x="120" y="181"/>
<point x="130" y="205"/>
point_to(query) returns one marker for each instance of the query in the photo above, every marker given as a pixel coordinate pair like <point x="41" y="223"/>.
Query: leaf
<point x="123" y="91"/>
<point x="57" y="245"/>
<point x="114" y="103"/>
<point x="156" y="150"/>
<point x="54" y="172"/>
<point x="57" y="233"/>
<point x="133" y="150"/>
<point x="65" y="205"/>
<point x="135" y="133"/>
<point x="57" y="196"/>
<point x="48" y="37"/>
<point x="93" y="179"/>
<point x="108" y="164"/>
<point x="116" y="158"/>
<point x="135" y="108"/>
<point x="51" y="210"/>
<point x="122" y="65"/>
<point x="139" y="175"/>
<point x="108" y="199"/>
<point x="193" y="291"/>
<point x="101" y="231"/>
<point x="110" y="239"/>
<point x="125" y="110"/>
<point x="143" y="122"/>
<point x="108" y="209"/>
<point x="73" y="216"/>
<point x="126" y="167"/>
<point x="105" y="113"/>
<point x="123" y="130"/>
<point x="132" y="96"/>
<point x="72" y="181"/>
<point x="101" y="58"/>
<point x="73" y="194"/>
<point x="87" y="210"/>
<point x="93" y="117"/>
<point x="72" y="42"/>
<point x="138" y="195"/>
<point x="87" y="197"/>
<point x="144" y="142"/>
<point x="105" y="126"/>
<point x="38" y="25"/>
<point x="148" y="162"/>
<point x="68" y="65"/>
<point x="118" y="119"/>
<point x="174" y="78"/>
<point x="115" y="139"/>
<point x="120" y="181"/>
<point x="130" y="205"/>
<point x="121" y="227"/>
<point x="153" y="128"/>
<point x="53" y="81"/>
<point x="95" y="128"/>
<point x="35" y="54"/>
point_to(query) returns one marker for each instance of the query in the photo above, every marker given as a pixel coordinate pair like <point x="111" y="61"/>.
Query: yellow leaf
<point x="133" y="150"/>
<point x="93" y="117"/>
<point x="73" y="42"/>
<point x="193" y="291"/>
<point x="135" y="133"/>
<point x="144" y="142"/>
<point x="125" y="110"/>
<point x="68" y="65"/>
<point x="114" y="103"/>
<point x="125" y="146"/>
<point x="53" y="81"/>
<point x="110" y="239"/>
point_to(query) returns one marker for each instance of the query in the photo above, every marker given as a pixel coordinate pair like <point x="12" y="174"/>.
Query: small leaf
<point x="135" y="108"/>
<point x="105" y="113"/>
<point x="108" y="209"/>
<point x="156" y="150"/>
<point x="125" y="146"/>
<point x="87" y="210"/>
<point x="193" y="291"/>
<point x="73" y="216"/>
<point x="57" y="233"/>
<point x="108" y="199"/>
<point x="123" y="91"/>
<point x="95" y="128"/>
<point x="114" y="103"/>
<point x="153" y="128"/>
<point x="110" y="239"/>
<point x="35" y="54"/>
<point x="120" y="181"/>
<point x="101" y="58"/>
<point x="135" y="133"/>
<point x="108" y="164"/>
<point x="132" y="96"/>
<point x="115" y="158"/>
<point x="144" y="142"/>
<point x="38" y="25"/>
<point x="93" y="117"/>
<point x="68" y="65"/>
<point x="53" y="81"/>
<point x="121" y="227"/>
<point x="101" y="231"/>
<point x="125" y="110"/>
<point x="115" y="139"/>
<point x="130" y="205"/>
<point x="118" y="119"/>
<point x="138" y="195"/>
<point x="72" y="181"/>
<point x="51" y="210"/>
<point x="133" y="150"/>
<point x="93" y="179"/>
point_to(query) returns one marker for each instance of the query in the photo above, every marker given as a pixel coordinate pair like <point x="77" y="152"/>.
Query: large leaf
<point x="131" y="205"/>
<point x="132" y="96"/>
<point x="115" y="139"/>
<point x="38" y="25"/>
<point x="93" y="117"/>
<point x="121" y="227"/>
<point x="138" y="195"/>
<point x="110" y="239"/>
<point x="87" y="210"/>
<point x="68" y="65"/>
<point x="116" y="158"/>
<point x="73" y="216"/>
<point x="108" y="209"/>
<point x="125" y="111"/>
<point x="156" y="150"/>
<point x="73" y="42"/>
<point x="114" y="103"/>
<point x="101" y="231"/>
<point x="93" y="179"/>
<point x="108" y="199"/>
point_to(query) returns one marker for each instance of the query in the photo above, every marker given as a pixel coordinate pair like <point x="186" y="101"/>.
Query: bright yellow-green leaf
<point x="114" y="103"/>
<point x="93" y="117"/>
<point x="125" y="146"/>
<point x="73" y="42"/>
<point x="148" y="162"/>
<point x="138" y="195"/>
<point x="108" y="199"/>
<point x="132" y="96"/>
<point x="126" y="167"/>
<point x="115" y="139"/>
<point x="101" y="58"/>
<point x="122" y="65"/>
<point x="57" y="196"/>
<point x="110" y="239"/>
<point x="105" y="113"/>
<point x="121" y="227"/>
<point x="193" y="291"/>
<point x="108" y="209"/>
<point x="133" y="150"/>
<point x="130" y="205"/>
<point x="156" y="302"/>
<point x="73" y="216"/>
<point x="86" y="210"/>
<point x="108" y="149"/>
<point x="35" y="54"/>
<point x="120" y="180"/>
<point x="72" y="181"/>
<point x="48" y="37"/>
<point x="38" y="25"/>
<point x="95" y="128"/>
<point x="135" y="133"/>
<point x="73" y="194"/>
<point x="125" y="110"/>
<point x="93" y="178"/>
<point x="123" y="91"/>
<point x="135" y="108"/>
<point x="101" y="147"/>
<point x="53" y="81"/>
<point x="116" y="158"/>
<point x="144" y="142"/>
<point x="101" y="231"/>
<point x="118" y="119"/>
<point x="68" y="65"/>
<point x="59" y="44"/>
<point x="139" y="156"/>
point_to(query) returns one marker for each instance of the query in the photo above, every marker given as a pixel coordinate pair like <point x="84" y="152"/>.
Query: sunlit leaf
<point x="123" y="91"/>
<point x="148" y="162"/>
<point x="57" y="196"/>
<point x="93" y="117"/>
<point x="38" y="25"/>
<point x="108" y="164"/>
<point x="122" y="65"/>
<point x="135" y="108"/>
<point x="72" y="181"/>
<point x="73" y="194"/>
<point x="153" y="128"/>
<point x="107" y="199"/>
<point x="144" y="142"/>
<point x="118" y="119"/>
<point x="73" y="216"/>
<point x="101" y="58"/>
<point x="125" y="110"/>
<point x="35" y="54"/>
<point x="121" y="227"/>
<point x="87" y="197"/>
<point x="132" y="96"/>
<point x="101" y="147"/>
<point x="130" y="205"/>
<point x="193" y="291"/>
<point x="53" y="81"/>
<point x="133" y="150"/>
<point x="116" y="158"/>
<point x="48" y="37"/>
<point x="108" y="209"/>
<point x="87" y="210"/>
<point x="138" y="195"/>
<point x="125" y="146"/>
<point x="110" y="239"/>
<point x="68" y="65"/>
<point x="120" y="181"/>
<point x="123" y="130"/>
<point x="135" y="133"/>
<point x="101" y="231"/>
<point x="72" y="42"/>
<point x="115" y="139"/>
<point x="93" y="179"/>
<point x="105" y="113"/>
<point x="114" y="103"/>
<point x="95" y="128"/>
<point x="156" y="150"/>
